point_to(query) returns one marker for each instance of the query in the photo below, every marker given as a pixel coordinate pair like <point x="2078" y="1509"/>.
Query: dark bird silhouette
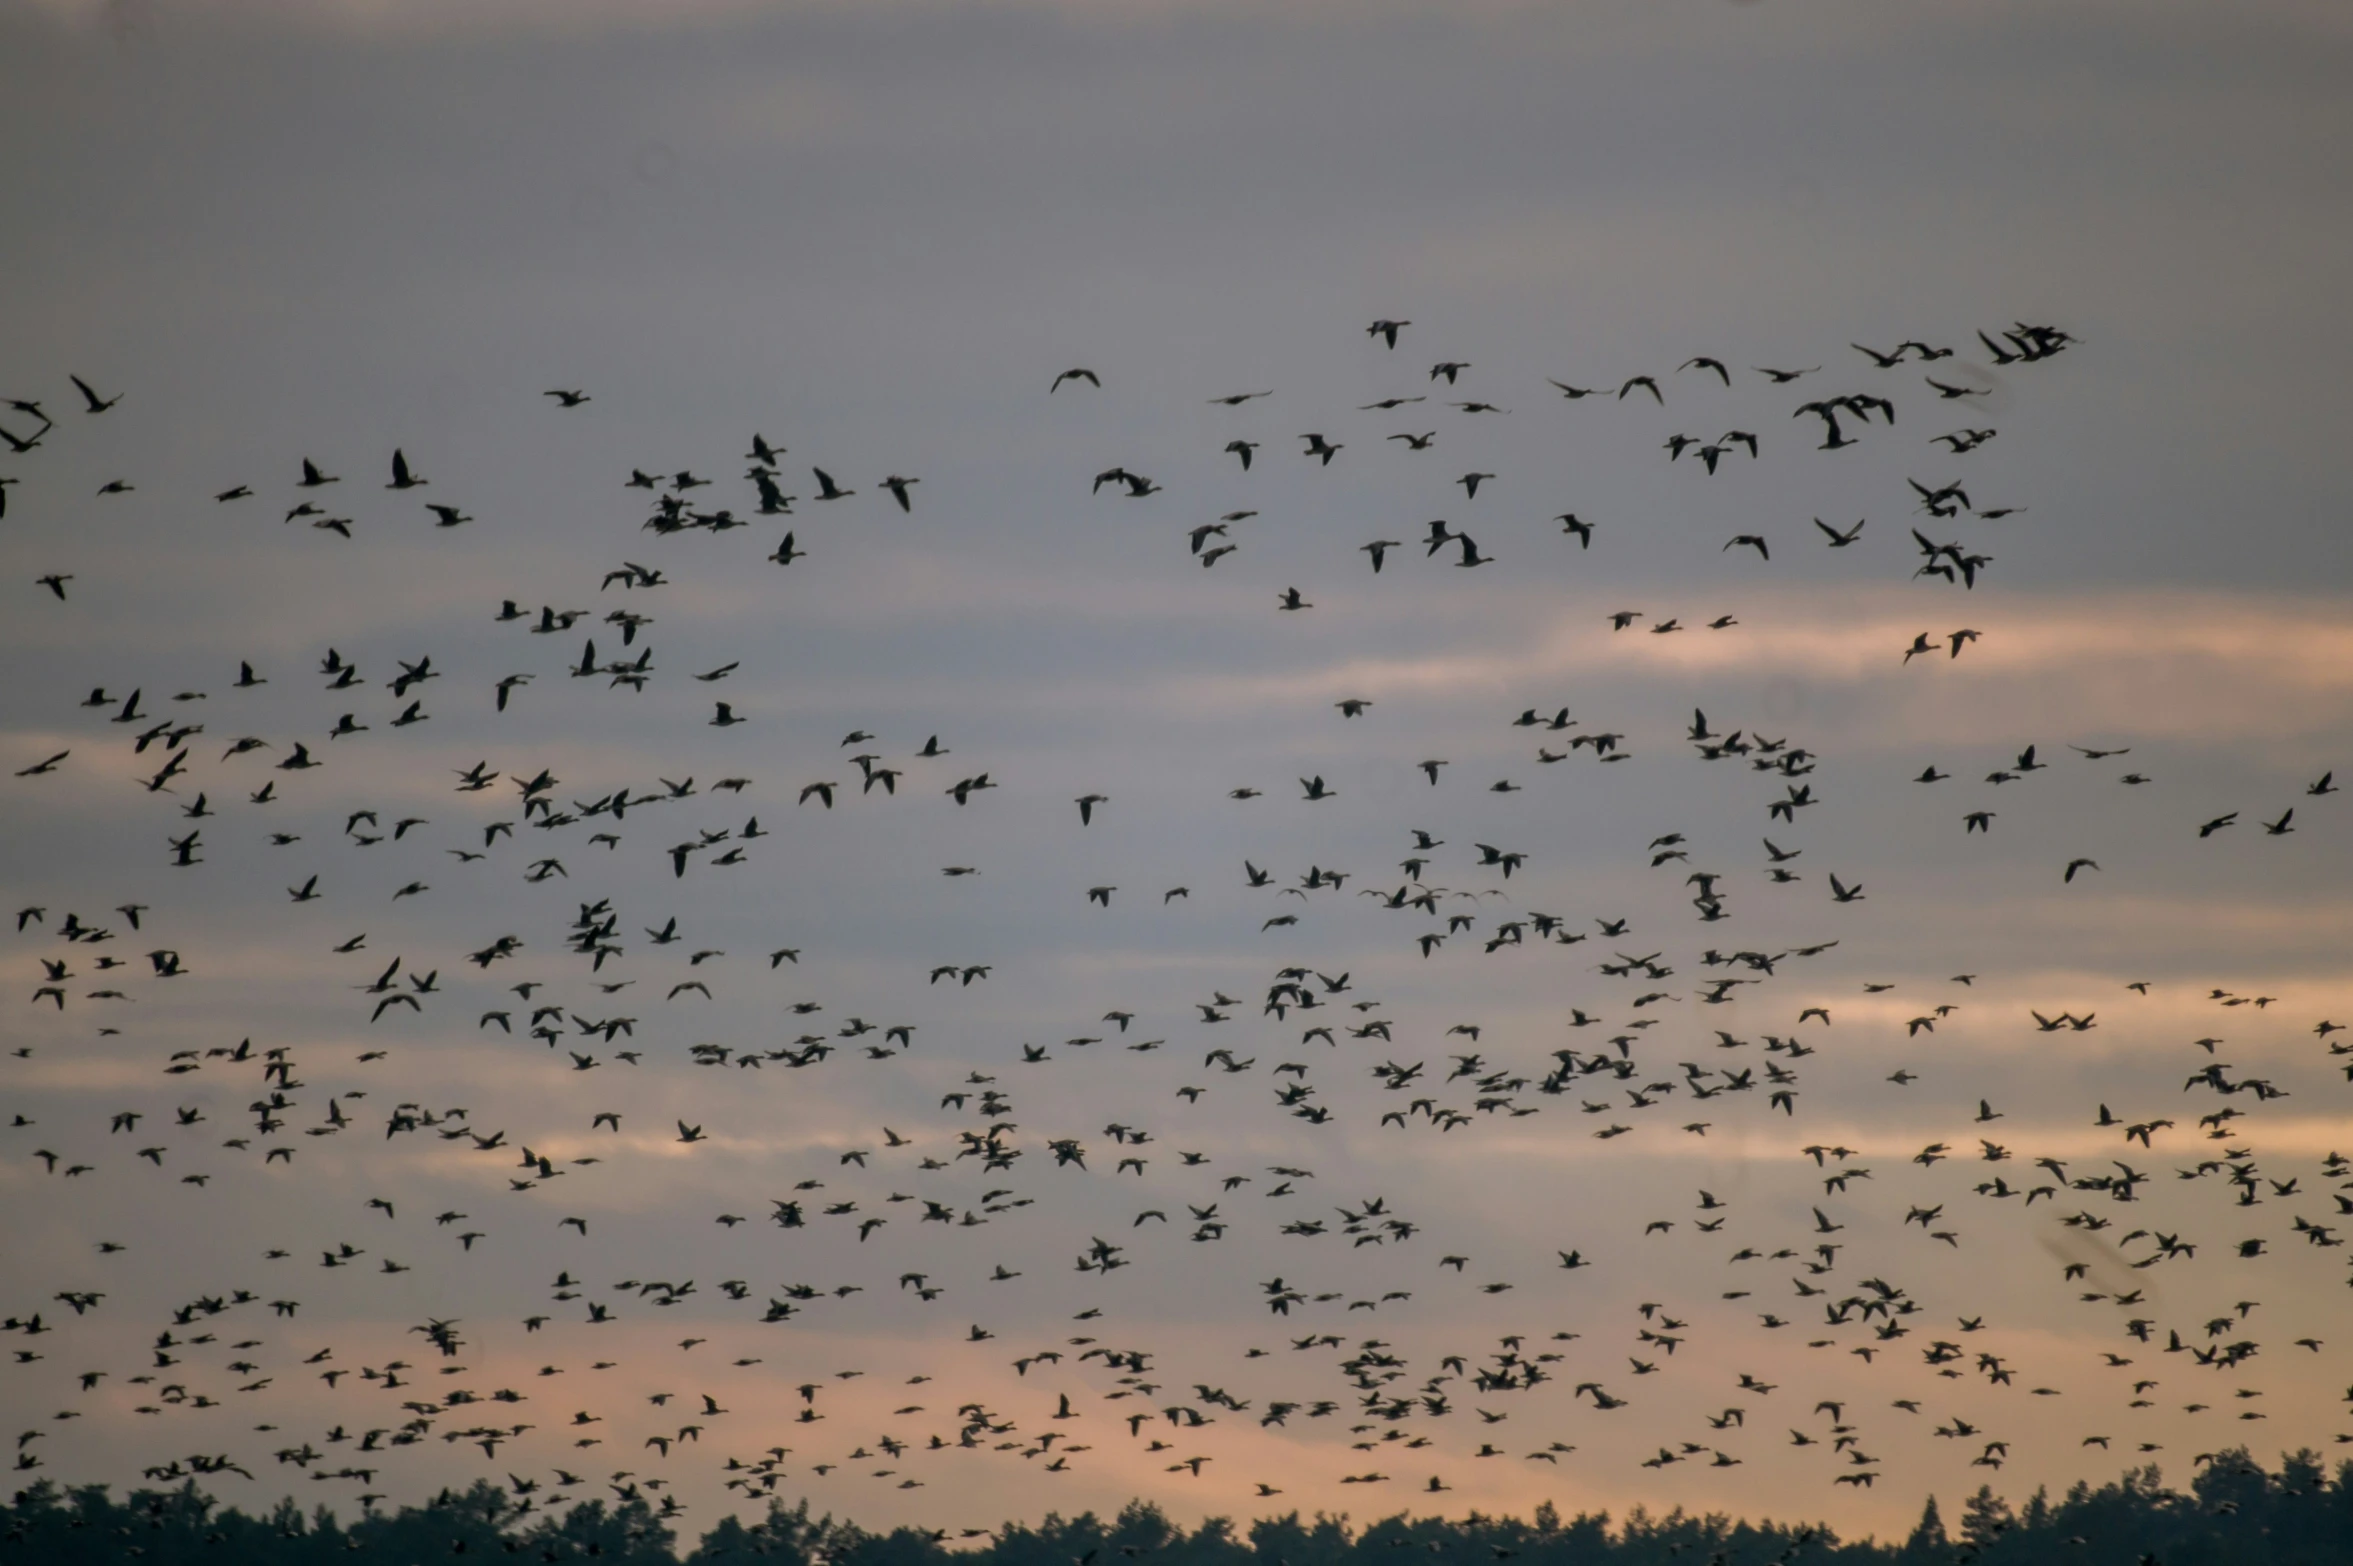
<point x="91" y="401"/>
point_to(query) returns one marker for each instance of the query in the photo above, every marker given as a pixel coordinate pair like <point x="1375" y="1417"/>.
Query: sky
<point x="873" y="237"/>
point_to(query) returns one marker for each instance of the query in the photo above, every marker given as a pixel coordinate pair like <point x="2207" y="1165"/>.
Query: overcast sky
<point x="874" y="235"/>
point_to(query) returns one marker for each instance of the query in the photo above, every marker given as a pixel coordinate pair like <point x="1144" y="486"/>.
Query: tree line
<point x="2235" y="1512"/>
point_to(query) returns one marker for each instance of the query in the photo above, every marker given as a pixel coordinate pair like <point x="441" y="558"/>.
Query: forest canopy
<point x="2235" y="1512"/>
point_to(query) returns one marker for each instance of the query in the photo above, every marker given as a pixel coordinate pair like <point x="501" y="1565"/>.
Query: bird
<point x="91" y="401"/>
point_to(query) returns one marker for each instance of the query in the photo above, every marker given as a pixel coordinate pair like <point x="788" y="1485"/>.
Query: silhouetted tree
<point x="2235" y="1513"/>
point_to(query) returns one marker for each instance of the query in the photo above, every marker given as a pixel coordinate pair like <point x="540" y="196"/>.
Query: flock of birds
<point x="1331" y="1390"/>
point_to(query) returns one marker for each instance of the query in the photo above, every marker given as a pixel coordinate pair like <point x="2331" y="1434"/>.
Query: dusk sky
<point x="2101" y="250"/>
